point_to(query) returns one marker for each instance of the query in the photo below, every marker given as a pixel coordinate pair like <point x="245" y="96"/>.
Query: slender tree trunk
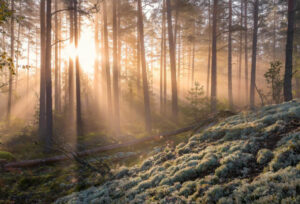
<point x="56" y="83"/>
<point x="18" y="48"/>
<point x="49" y="128"/>
<point x="230" y="57"/>
<point x="209" y="49"/>
<point x="106" y="60"/>
<point x="289" y="52"/>
<point x="162" y="60"/>
<point x="179" y="61"/>
<point x="71" y="66"/>
<point x="42" y="116"/>
<point x="254" y="48"/>
<point x="193" y="58"/>
<point x="240" y="53"/>
<point x="214" y="60"/>
<point x="172" y="61"/>
<point x="138" y="55"/>
<point x="116" y="72"/>
<point x="96" y="63"/>
<point x="12" y="55"/>
<point x="165" y="59"/>
<point x="246" y="51"/>
<point x="78" y="85"/>
<point x="28" y="65"/>
<point x="144" y="69"/>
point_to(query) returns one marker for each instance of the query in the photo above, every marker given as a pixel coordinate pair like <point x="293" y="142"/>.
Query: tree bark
<point x="96" y="63"/>
<point x="289" y="52"/>
<point x="162" y="59"/>
<point x="71" y="66"/>
<point x="246" y="51"/>
<point x="254" y="48"/>
<point x="172" y="61"/>
<point x="79" y="124"/>
<point x="240" y="53"/>
<point x="116" y="71"/>
<point x="106" y="61"/>
<point x="144" y="69"/>
<point x="230" y="98"/>
<point x="56" y="74"/>
<point x="49" y="128"/>
<point x="214" y="60"/>
<point x="209" y="49"/>
<point x="42" y="116"/>
<point x="12" y="55"/>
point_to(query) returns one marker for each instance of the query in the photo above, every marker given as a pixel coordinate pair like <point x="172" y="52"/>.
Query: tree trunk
<point x="240" y="53"/>
<point x="162" y="59"/>
<point x="56" y="75"/>
<point x="246" y="51"/>
<point x="144" y="69"/>
<point x="79" y="124"/>
<point x="12" y="55"/>
<point x="289" y="52"/>
<point x="179" y="61"/>
<point x="165" y="60"/>
<point x="214" y="60"/>
<point x="71" y="66"/>
<point x="49" y="129"/>
<point x="172" y="61"/>
<point x="96" y="63"/>
<point x="116" y="71"/>
<point x="42" y="116"/>
<point x="106" y="60"/>
<point x="209" y="49"/>
<point x="254" y="48"/>
<point x="230" y="98"/>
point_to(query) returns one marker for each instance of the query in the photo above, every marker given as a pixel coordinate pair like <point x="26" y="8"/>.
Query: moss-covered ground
<point x="252" y="157"/>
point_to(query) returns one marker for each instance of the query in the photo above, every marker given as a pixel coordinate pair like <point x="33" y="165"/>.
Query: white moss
<point x="264" y="156"/>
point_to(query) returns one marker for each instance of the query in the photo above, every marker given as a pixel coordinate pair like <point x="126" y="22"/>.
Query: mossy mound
<point x="7" y="156"/>
<point x="248" y="158"/>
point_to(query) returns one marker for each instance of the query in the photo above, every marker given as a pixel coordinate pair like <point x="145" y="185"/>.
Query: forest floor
<point x="247" y="158"/>
<point x="250" y="157"/>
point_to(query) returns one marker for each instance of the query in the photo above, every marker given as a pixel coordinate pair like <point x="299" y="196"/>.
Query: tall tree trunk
<point x="240" y="53"/>
<point x="165" y="59"/>
<point x="12" y="55"/>
<point x="56" y="83"/>
<point x="18" y="48"/>
<point x="144" y="69"/>
<point x="71" y="66"/>
<point x="79" y="124"/>
<point x="254" y="48"/>
<point x="138" y="55"/>
<point x="28" y="65"/>
<point x="116" y="71"/>
<point x="106" y="60"/>
<point x="162" y="59"/>
<point x="42" y="116"/>
<point x="96" y="63"/>
<point x="179" y="61"/>
<point x="49" y="121"/>
<point x="214" y="60"/>
<point x="209" y="49"/>
<point x="289" y="52"/>
<point x="230" y="98"/>
<point x="193" y="57"/>
<point x="172" y="61"/>
<point x="246" y="51"/>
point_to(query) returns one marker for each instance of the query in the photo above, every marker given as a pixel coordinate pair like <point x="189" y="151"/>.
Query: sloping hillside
<point x="251" y="157"/>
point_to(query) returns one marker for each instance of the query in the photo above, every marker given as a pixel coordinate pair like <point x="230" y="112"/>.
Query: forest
<point x="149" y="101"/>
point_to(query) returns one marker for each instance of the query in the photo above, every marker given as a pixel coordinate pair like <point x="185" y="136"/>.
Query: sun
<point x="86" y="52"/>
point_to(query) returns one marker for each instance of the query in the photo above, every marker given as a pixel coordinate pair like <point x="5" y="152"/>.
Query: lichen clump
<point x="247" y="158"/>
